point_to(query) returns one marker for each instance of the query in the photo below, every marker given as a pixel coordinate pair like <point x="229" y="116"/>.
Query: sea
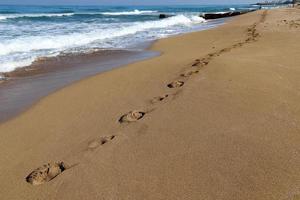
<point x="28" y="33"/>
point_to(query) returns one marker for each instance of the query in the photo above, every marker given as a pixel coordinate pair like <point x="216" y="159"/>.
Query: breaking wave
<point x="22" y="51"/>
<point x="14" y="16"/>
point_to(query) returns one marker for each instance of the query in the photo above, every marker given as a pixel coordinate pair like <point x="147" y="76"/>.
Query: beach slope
<point x="216" y="116"/>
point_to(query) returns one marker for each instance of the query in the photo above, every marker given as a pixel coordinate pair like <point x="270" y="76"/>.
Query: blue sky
<point x="124" y="2"/>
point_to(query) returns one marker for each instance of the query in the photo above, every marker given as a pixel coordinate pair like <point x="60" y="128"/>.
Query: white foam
<point x="31" y="43"/>
<point x="271" y="7"/>
<point x="13" y="16"/>
<point x="221" y="12"/>
<point x="135" y="12"/>
<point x="10" y="66"/>
<point x="232" y="9"/>
<point x="3" y="17"/>
<point x="197" y="19"/>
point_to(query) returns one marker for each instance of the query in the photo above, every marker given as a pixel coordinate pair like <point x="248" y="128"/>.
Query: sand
<point x="228" y="129"/>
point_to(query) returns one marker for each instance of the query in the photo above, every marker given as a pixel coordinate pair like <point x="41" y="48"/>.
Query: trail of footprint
<point x="134" y="116"/>
<point x="49" y="171"/>
<point x="45" y="173"/>
<point x="252" y="33"/>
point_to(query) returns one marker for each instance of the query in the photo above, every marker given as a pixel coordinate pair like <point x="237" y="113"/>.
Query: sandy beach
<point x="215" y="116"/>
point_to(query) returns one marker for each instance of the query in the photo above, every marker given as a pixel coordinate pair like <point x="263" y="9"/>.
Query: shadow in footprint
<point x="159" y="99"/>
<point x="201" y="62"/>
<point x="224" y="50"/>
<point x="240" y="44"/>
<point x="189" y="73"/>
<point x="175" y="84"/>
<point x="196" y="63"/>
<point x="45" y="173"/>
<point x="132" y="116"/>
<point x="211" y="55"/>
<point x="103" y="140"/>
<point x="205" y="61"/>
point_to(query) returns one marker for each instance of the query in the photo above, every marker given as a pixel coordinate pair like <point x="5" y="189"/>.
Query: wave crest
<point x="14" y="16"/>
<point x="135" y="12"/>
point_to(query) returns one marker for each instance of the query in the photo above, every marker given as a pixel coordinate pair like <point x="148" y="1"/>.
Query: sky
<point x="123" y="2"/>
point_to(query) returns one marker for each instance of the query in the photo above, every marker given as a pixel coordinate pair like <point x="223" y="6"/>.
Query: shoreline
<point x="215" y="116"/>
<point x="14" y="100"/>
<point x="27" y="86"/>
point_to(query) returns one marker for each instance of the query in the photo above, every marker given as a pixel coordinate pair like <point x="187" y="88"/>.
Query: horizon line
<point x="176" y="4"/>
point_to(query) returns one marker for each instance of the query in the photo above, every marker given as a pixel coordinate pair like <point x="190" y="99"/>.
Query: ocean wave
<point x="13" y="16"/>
<point x="30" y="43"/>
<point x="37" y="46"/>
<point x="135" y="12"/>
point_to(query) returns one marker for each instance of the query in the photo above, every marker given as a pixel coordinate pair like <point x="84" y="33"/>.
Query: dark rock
<point x="221" y="15"/>
<point x="163" y="16"/>
<point x="215" y="15"/>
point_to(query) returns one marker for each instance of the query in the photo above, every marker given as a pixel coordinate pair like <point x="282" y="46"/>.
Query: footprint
<point x="211" y="55"/>
<point x="202" y="62"/>
<point x="159" y="98"/>
<point x="132" y="116"/>
<point x="45" y="173"/>
<point x="189" y="73"/>
<point x="240" y="44"/>
<point x="175" y="84"/>
<point x="225" y="50"/>
<point x="249" y="40"/>
<point x="103" y="140"/>
<point x="196" y="63"/>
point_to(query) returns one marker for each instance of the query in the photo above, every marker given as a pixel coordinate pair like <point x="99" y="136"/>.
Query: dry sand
<point x="230" y="130"/>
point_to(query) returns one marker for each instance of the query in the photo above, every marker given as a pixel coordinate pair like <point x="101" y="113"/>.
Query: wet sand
<point x="28" y="85"/>
<point x="216" y="116"/>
